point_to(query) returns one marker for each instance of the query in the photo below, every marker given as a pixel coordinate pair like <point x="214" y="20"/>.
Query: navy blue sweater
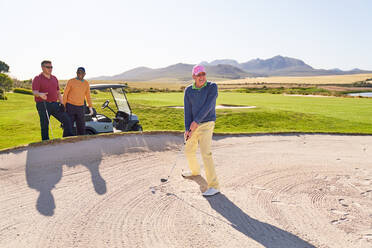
<point x="200" y="104"/>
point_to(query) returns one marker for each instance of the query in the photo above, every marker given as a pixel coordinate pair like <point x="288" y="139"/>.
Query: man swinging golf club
<point x="200" y="116"/>
<point x="45" y="88"/>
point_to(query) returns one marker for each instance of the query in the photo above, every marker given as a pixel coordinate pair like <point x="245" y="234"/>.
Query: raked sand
<point x="277" y="191"/>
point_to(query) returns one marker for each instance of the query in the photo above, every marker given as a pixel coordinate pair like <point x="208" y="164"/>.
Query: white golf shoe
<point x="210" y="192"/>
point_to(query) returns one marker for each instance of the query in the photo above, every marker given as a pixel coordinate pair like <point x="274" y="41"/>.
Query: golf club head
<point x="163" y="180"/>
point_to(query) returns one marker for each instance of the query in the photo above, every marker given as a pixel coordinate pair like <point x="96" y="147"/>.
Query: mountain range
<point x="229" y="69"/>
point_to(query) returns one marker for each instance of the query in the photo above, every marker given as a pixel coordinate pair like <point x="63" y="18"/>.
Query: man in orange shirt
<point x="76" y="91"/>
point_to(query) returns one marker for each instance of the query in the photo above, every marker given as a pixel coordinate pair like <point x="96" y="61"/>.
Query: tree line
<point x="6" y="83"/>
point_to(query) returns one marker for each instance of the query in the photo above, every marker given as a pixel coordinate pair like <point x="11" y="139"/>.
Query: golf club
<point x="46" y="110"/>
<point x="163" y="180"/>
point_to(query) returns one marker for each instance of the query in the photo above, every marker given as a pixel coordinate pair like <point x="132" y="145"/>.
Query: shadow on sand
<point x="267" y="235"/>
<point x="43" y="177"/>
<point x="44" y="164"/>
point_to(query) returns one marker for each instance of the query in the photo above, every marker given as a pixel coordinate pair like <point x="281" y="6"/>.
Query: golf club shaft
<point x="46" y="110"/>
<point x="175" y="162"/>
<point x="179" y="154"/>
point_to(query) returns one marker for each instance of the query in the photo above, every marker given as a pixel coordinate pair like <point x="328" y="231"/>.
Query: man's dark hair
<point x="44" y="62"/>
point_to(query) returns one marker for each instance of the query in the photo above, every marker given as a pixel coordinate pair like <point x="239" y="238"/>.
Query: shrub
<point x="6" y="82"/>
<point x="23" y="91"/>
<point x="2" y="95"/>
<point x="362" y="84"/>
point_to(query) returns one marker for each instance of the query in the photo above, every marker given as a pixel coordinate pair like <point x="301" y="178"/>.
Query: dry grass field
<point x="330" y="79"/>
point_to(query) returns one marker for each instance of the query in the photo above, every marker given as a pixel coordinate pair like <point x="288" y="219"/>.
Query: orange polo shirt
<point x="76" y="92"/>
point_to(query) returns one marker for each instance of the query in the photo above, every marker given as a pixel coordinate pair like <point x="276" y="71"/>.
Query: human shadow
<point x="44" y="176"/>
<point x="266" y="234"/>
<point x="44" y="163"/>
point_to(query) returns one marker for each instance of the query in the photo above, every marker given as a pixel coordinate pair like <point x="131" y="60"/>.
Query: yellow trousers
<point x="202" y="135"/>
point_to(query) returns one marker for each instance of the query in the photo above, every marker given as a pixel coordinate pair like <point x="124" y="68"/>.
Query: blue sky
<point x="109" y="37"/>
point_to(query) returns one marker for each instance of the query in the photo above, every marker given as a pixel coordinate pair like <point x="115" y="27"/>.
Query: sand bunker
<point x="277" y="191"/>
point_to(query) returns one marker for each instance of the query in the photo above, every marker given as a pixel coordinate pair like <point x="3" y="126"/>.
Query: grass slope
<point x="19" y="121"/>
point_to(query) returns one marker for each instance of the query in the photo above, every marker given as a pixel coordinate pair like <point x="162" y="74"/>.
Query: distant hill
<point x="283" y="66"/>
<point x="223" y="62"/>
<point x="277" y="65"/>
<point x="230" y="69"/>
<point x="180" y="72"/>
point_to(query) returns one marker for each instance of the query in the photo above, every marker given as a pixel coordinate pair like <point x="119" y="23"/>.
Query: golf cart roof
<point x="107" y="86"/>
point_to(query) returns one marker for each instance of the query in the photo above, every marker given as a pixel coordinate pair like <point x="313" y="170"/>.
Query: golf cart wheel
<point x="89" y="132"/>
<point x="137" y="127"/>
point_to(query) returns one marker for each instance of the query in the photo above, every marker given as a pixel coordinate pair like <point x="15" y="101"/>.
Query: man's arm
<point x="89" y="100"/>
<point x="188" y="117"/>
<point x="209" y="105"/>
<point x="187" y="111"/>
<point x="60" y="97"/>
<point x="36" y="88"/>
<point x="39" y="94"/>
<point x="65" y="92"/>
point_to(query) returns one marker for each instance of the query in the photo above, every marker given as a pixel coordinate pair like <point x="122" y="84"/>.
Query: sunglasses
<point x="201" y="74"/>
<point x="48" y="67"/>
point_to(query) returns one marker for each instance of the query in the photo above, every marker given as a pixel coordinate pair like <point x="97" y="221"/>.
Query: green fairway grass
<point x="19" y="121"/>
<point x="274" y="113"/>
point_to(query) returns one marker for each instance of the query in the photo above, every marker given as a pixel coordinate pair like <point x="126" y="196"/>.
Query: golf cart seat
<point x="121" y="120"/>
<point x="99" y="117"/>
<point x="122" y="115"/>
<point x="103" y="118"/>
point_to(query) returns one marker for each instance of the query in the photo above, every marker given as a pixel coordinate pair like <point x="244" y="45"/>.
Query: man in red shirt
<point x="46" y="88"/>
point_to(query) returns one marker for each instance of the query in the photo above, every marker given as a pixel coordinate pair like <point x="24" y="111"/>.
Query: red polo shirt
<point x="46" y="85"/>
